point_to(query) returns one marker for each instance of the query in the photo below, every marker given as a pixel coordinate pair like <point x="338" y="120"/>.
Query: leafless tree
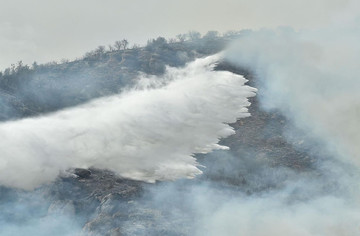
<point x="181" y="37"/>
<point x="111" y="48"/>
<point x="194" y="35"/>
<point x="100" y="50"/>
<point x="124" y="43"/>
<point x="118" y="45"/>
<point x="121" y="45"/>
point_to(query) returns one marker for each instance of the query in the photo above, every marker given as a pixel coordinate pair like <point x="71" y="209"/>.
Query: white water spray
<point x="147" y="134"/>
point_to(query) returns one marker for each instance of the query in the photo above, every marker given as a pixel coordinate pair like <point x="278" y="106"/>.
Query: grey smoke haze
<point x="43" y="30"/>
<point x="147" y="134"/>
<point x="302" y="204"/>
<point x="30" y="213"/>
<point x="312" y="77"/>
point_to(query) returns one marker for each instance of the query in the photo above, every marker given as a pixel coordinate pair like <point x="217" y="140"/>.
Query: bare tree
<point x="181" y="37"/>
<point x="124" y="43"/>
<point x="111" y="48"/>
<point x="121" y="45"/>
<point x="194" y="35"/>
<point x="118" y="45"/>
<point x="100" y="50"/>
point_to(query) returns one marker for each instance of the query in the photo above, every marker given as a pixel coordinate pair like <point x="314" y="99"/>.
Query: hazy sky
<point x="46" y="30"/>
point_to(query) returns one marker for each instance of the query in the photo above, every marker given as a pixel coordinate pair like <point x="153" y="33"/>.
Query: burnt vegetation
<point x="29" y="90"/>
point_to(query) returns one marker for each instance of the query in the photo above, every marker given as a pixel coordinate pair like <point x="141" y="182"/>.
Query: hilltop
<point x="32" y="90"/>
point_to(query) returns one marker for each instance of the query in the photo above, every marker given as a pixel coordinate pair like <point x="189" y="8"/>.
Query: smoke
<point x="153" y="131"/>
<point x="312" y="78"/>
<point x="33" y="213"/>
<point x="266" y="200"/>
<point x="143" y="134"/>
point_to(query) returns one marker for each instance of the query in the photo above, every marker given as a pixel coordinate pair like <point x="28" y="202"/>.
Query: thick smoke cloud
<point x="273" y="200"/>
<point x="312" y="77"/>
<point x="143" y="134"/>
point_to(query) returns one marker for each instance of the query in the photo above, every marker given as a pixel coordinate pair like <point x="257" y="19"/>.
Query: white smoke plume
<point x="319" y="202"/>
<point x="312" y="77"/>
<point x="143" y="134"/>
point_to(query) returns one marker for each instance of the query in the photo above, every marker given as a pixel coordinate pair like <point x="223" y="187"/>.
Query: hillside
<point x="261" y="159"/>
<point x="31" y="90"/>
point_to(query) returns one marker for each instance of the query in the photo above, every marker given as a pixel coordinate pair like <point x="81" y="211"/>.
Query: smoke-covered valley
<point x="184" y="147"/>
